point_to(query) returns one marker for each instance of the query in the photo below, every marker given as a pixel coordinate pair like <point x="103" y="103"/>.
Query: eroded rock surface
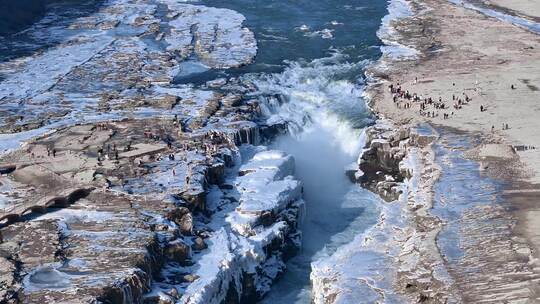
<point x="124" y="56"/>
<point x="379" y="165"/>
<point x="398" y="259"/>
<point x="143" y="211"/>
<point x="120" y="184"/>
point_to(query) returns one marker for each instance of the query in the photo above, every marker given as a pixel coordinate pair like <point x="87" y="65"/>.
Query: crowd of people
<point x="429" y="107"/>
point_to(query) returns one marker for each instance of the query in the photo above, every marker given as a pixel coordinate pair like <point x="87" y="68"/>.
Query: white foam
<point x="315" y="100"/>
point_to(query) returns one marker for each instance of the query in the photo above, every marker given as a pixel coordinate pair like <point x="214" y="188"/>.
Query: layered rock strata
<point x="160" y="210"/>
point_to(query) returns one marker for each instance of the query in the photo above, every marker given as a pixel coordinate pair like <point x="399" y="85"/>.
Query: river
<point x="309" y="72"/>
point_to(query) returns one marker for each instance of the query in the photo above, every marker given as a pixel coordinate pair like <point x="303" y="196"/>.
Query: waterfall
<point x="317" y="97"/>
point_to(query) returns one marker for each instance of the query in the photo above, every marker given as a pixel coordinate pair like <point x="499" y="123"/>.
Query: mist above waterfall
<point x="321" y="102"/>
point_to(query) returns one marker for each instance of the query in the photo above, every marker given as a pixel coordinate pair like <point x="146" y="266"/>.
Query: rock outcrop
<point x="400" y="250"/>
<point x="157" y="213"/>
<point x="217" y="36"/>
<point x="378" y="166"/>
<point x="174" y="213"/>
<point x="238" y="261"/>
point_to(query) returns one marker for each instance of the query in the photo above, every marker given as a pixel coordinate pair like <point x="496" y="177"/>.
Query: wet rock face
<point x="186" y="224"/>
<point x="199" y="244"/>
<point x="271" y="131"/>
<point x="182" y="217"/>
<point x="237" y="258"/>
<point x="379" y="166"/>
<point x="245" y="133"/>
<point x="379" y="163"/>
<point x="196" y="198"/>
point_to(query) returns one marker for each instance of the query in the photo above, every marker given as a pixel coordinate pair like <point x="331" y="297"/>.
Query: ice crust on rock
<point x="266" y="185"/>
<point x="117" y="239"/>
<point x="217" y="36"/>
<point x="94" y="63"/>
<point x="234" y="255"/>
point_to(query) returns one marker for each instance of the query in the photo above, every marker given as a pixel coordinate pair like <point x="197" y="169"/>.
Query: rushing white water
<point x="322" y="103"/>
<point x="318" y="97"/>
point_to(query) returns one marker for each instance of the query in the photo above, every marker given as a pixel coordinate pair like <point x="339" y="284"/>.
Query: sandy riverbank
<point x="483" y="64"/>
<point x="527" y="8"/>
<point x="464" y="55"/>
